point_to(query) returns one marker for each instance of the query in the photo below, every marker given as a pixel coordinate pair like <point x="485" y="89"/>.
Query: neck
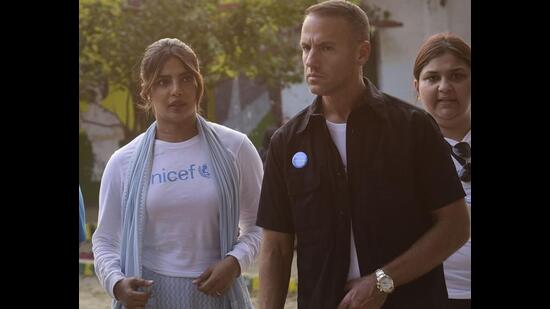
<point x="456" y="132"/>
<point x="176" y="132"/>
<point x="338" y="106"/>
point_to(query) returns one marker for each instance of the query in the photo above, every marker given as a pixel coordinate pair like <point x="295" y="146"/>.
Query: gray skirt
<point x="179" y="293"/>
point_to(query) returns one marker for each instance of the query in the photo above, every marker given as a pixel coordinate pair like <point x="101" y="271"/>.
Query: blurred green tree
<point x="255" y="38"/>
<point x="85" y="168"/>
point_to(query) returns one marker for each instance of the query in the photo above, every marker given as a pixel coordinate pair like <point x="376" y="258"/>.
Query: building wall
<point x="105" y="138"/>
<point x="243" y="103"/>
<point x="295" y="98"/>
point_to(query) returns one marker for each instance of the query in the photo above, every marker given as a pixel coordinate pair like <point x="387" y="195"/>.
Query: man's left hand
<point x="362" y="294"/>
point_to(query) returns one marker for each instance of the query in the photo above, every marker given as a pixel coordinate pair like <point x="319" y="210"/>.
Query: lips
<point x="176" y="103"/>
<point x="446" y="100"/>
<point x="313" y="78"/>
<point x="314" y="75"/>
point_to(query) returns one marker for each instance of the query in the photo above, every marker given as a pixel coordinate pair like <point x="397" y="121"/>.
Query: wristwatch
<point x="384" y="283"/>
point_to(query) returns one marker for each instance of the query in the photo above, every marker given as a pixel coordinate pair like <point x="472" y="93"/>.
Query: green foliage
<point x="260" y="39"/>
<point x="96" y="19"/>
<point x="257" y="38"/>
<point x="257" y="135"/>
<point x="86" y="158"/>
<point x="90" y="189"/>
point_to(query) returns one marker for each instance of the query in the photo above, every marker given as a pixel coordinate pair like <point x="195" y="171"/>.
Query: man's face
<point x="330" y="54"/>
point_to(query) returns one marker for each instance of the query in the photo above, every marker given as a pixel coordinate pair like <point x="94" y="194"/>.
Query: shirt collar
<point x="467" y="138"/>
<point x="372" y="99"/>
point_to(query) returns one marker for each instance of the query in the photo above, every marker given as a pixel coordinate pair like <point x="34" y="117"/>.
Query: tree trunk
<point x="276" y="104"/>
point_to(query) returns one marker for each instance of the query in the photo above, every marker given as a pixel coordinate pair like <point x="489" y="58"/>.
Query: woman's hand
<point x="128" y="292"/>
<point x="217" y="279"/>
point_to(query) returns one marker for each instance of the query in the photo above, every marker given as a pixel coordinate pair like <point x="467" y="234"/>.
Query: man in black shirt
<point x="364" y="181"/>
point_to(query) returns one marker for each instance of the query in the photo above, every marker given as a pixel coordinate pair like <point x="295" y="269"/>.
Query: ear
<point x="364" y="52"/>
<point x="416" y="85"/>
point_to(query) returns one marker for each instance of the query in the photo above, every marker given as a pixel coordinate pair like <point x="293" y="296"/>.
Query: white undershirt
<point x="338" y="134"/>
<point x="458" y="267"/>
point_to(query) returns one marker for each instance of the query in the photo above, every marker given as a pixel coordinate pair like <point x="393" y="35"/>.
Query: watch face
<point x="386" y="284"/>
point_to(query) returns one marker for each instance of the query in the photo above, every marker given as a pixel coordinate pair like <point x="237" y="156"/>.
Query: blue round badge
<point x="299" y="159"/>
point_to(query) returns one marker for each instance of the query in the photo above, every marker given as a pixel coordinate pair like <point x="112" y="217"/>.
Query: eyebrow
<point x="452" y="71"/>
<point x="186" y="73"/>
<point x="320" y="43"/>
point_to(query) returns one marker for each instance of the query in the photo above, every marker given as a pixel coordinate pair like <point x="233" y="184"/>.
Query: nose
<point x="177" y="89"/>
<point x="311" y="59"/>
<point x="445" y="85"/>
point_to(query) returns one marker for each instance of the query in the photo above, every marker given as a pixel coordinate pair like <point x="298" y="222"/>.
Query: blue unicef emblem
<point x="299" y="160"/>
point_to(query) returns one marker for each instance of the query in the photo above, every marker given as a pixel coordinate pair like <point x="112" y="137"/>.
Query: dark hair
<point x="154" y="58"/>
<point x="347" y="10"/>
<point x="437" y="45"/>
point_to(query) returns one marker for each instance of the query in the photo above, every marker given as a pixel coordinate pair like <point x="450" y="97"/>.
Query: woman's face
<point x="444" y="89"/>
<point x="173" y="94"/>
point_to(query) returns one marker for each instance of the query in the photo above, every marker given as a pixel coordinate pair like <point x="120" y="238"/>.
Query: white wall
<point x="245" y="120"/>
<point x="295" y="98"/>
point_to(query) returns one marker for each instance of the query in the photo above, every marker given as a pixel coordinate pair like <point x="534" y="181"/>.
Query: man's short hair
<point x="338" y="8"/>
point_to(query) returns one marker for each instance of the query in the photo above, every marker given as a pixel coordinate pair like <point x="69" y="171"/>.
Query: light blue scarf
<point x="81" y="218"/>
<point x="135" y="193"/>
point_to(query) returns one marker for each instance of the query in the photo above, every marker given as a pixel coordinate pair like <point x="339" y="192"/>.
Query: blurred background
<point x="251" y="63"/>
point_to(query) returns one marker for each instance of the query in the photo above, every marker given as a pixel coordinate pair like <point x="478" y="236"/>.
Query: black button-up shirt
<point x="399" y="170"/>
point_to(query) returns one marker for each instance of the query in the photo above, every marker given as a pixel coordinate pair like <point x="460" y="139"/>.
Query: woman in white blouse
<point x="178" y="204"/>
<point x="442" y="80"/>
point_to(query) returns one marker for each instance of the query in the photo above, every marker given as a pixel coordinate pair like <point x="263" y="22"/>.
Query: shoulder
<point x="232" y="139"/>
<point x="398" y="109"/>
<point x="287" y="131"/>
<point x="227" y="134"/>
<point x="404" y="117"/>
<point x="124" y="153"/>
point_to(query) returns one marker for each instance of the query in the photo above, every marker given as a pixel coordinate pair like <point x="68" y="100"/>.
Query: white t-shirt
<point x="181" y="231"/>
<point x="458" y="267"/>
<point x="338" y="134"/>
